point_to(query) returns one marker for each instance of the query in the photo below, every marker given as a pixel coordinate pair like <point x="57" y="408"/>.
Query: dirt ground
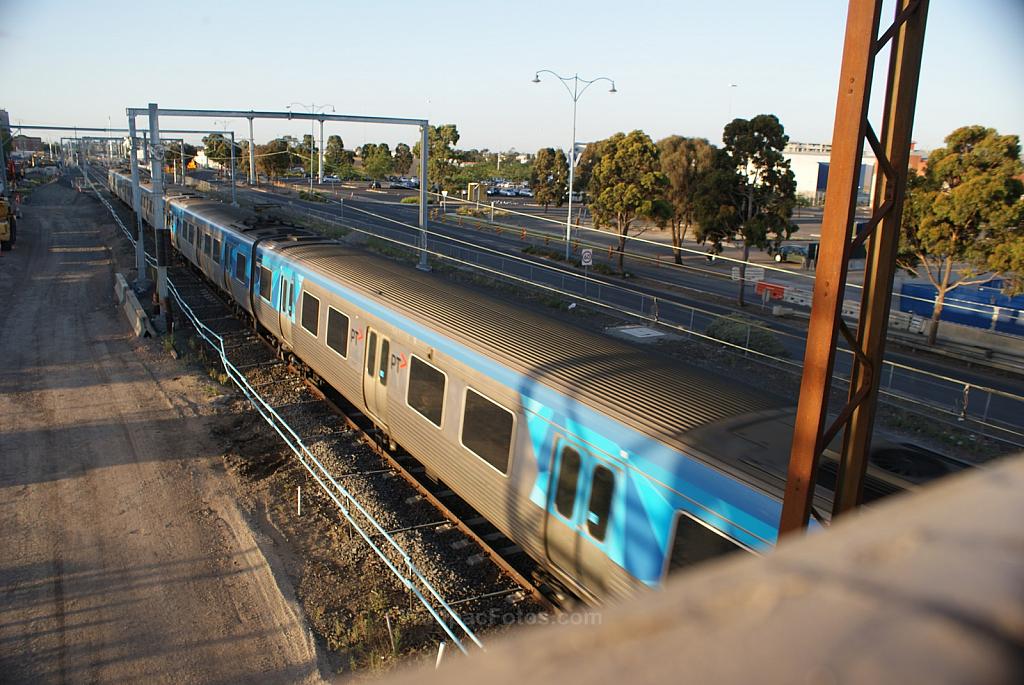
<point x="125" y="556"/>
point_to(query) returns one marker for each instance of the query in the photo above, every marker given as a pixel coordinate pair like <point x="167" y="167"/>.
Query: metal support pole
<point x="140" y="233"/>
<point x="424" y="155"/>
<point x="145" y="147"/>
<point x="812" y="432"/>
<point x="572" y="168"/>
<point x="162" y="241"/>
<point x="252" y="156"/>
<point x="320" y="168"/>
<point x="234" y="196"/>
<point x="882" y="247"/>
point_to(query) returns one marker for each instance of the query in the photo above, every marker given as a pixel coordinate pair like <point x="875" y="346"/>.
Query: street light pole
<point x="575" y="93"/>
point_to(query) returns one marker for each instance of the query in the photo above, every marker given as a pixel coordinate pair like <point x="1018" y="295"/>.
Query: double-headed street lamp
<point x="576" y="92"/>
<point x="314" y="109"/>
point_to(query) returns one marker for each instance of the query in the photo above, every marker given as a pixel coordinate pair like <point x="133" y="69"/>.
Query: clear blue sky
<point x="470" y="63"/>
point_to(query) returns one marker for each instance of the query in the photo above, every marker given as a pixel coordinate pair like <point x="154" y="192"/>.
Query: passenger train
<point x="611" y="465"/>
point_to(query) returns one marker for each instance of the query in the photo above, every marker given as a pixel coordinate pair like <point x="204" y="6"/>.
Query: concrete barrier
<point x="120" y="287"/>
<point x="136" y="315"/>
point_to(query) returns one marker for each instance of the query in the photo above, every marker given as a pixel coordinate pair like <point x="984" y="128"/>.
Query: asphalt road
<point x="125" y="556"/>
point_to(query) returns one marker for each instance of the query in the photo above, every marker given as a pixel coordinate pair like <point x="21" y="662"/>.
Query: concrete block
<point x="137" y="317"/>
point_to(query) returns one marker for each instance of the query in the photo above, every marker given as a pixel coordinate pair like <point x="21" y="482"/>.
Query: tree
<point x="274" y="158"/>
<point x="626" y="184"/>
<point x="377" y="161"/>
<point x="441" y="163"/>
<point x="685" y="162"/>
<point x="218" y="149"/>
<point x="242" y="157"/>
<point x="766" y="192"/>
<point x="403" y="159"/>
<point x="337" y="159"/>
<point x="715" y="209"/>
<point x="172" y="154"/>
<point x="548" y="178"/>
<point x="585" y="167"/>
<point x="334" y="151"/>
<point x="963" y="221"/>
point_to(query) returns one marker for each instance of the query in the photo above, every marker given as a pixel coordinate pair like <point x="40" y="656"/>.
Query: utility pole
<point x="252" y="156"/>
<point x="320" y="170"/>
<point x="234" y="185"/>
<point x="140" y="233"/>
<point x="423" y="265"/>
<point x="163" y="237"/>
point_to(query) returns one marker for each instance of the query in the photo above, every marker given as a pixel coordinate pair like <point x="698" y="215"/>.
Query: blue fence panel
<point x="975" y="306"/>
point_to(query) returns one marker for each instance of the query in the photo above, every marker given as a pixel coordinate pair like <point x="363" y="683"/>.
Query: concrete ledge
<point x="924" y="588"/>
<point x="136" y="315"/>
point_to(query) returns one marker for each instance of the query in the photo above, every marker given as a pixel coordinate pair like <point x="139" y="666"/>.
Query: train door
<point x="375" y="374"/>
<point x="581" y="495"/>
<point x="286" y="306"/>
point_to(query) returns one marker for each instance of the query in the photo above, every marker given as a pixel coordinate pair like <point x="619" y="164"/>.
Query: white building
<point x="810" y="163"/>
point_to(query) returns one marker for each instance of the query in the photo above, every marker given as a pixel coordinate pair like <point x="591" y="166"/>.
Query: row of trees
<point x="743" y="191"/>
<point x="962" y="220"/>
<point x="279" y="155"/>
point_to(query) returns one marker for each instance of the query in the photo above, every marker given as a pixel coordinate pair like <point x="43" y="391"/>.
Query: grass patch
<point x="314" y="196"/>
<point x="746" y="332"/>
<point x="414" y="200"/>
<point x="391" y="250"/>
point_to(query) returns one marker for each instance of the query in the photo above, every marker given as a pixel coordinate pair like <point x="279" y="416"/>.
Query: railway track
<point x="480" y="572"/>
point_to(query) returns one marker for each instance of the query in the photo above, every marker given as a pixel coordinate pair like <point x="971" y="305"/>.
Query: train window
<point x="240" y="267"/>
<point x="385" y="355"/>
<point x="216" y="250"/>
<point x="602" y="487"/>
<point x="337" y="331"/>
<point x="310" y="313"/>
<point x="696" y="542"/>
<point x="426" y="390"/>
<point x="371" y="354"/>
<point x="207" y="243"/>
<point x="487" y="430"/>
<point x="568" y="475"/>
<point x="266" y="283"/>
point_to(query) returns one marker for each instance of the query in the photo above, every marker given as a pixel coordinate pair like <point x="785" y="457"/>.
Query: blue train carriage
<point x="575" y="446"/>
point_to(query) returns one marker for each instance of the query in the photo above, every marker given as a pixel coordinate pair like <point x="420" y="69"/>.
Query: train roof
<point x="697" y="411"/>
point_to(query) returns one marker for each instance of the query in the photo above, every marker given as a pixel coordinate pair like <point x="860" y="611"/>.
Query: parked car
<point x="374" y="184"/>
<point x="791" y="253"/>
<point x="332" y="179"/>
<point x="525" y="192"/>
